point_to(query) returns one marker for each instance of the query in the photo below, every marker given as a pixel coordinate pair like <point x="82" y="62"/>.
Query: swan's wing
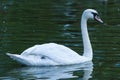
<point x="55" y="52"/>
<point x="32" y="60"/>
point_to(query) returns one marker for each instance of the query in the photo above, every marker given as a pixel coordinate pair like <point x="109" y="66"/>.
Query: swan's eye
<point x="43" y="57"/>
<point x="95" y="14"/>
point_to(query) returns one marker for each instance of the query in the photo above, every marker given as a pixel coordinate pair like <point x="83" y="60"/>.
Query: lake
<point x="24" y="23"/>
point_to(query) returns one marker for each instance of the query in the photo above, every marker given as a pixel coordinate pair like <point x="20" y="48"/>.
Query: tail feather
<point x="18" y="58"/>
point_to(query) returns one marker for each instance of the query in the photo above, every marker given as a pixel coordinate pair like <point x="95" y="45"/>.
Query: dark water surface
<point x="24" y="23"/>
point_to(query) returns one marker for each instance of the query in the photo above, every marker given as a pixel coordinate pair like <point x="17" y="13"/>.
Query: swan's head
<point x="92" y="14"/>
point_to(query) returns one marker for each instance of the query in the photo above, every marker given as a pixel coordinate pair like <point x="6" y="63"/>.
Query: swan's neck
<point x="86" y="41"/>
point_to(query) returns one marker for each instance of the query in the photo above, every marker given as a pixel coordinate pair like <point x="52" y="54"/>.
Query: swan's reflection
<point x="54" y="73"/>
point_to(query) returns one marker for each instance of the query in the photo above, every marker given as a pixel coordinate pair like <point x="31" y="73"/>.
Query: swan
<point x="51" y="54"/>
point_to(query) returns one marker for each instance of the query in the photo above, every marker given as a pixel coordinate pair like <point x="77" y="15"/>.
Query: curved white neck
<point x="86" y="41"/>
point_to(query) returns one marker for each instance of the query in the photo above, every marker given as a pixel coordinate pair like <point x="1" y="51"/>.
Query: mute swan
<point x="56" y="54"/>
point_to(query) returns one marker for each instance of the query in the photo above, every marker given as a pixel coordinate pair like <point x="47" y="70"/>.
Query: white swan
<point x="56" y="54"/>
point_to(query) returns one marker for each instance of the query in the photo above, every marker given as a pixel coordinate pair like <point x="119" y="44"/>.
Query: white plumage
<point x="56" y="54"/>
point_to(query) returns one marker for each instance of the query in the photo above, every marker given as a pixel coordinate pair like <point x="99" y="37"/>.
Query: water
<point x="26" y="23"/>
